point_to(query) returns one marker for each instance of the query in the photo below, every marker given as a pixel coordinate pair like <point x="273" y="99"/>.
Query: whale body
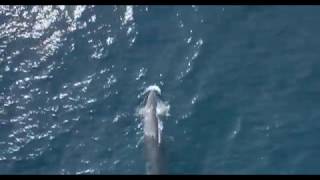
<point x="152" y="135"/>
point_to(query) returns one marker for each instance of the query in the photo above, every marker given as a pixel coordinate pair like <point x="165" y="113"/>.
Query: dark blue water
<point x="242" y="83"/>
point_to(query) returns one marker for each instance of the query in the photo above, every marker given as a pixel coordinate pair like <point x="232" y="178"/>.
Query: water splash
<point x="153" y="88"/>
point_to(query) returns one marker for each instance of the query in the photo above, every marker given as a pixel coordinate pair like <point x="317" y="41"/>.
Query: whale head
<point x="152" y="99"/>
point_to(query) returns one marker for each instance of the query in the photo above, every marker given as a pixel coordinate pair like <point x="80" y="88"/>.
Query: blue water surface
<point x="242" y="83"/>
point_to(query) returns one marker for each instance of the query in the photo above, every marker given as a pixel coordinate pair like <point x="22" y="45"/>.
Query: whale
<point x="153" y="146"/>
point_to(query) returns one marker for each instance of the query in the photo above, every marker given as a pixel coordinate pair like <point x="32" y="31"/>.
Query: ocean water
<point x="242" y="83"/>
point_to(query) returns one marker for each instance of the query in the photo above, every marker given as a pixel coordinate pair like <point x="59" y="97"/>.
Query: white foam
<point x="153" y="88"/>
<point x="163" y="108"/>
